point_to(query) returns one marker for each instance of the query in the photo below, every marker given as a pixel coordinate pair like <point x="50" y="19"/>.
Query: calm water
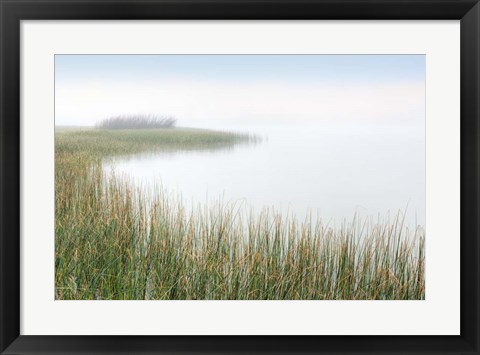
<point x="333" y="171"/>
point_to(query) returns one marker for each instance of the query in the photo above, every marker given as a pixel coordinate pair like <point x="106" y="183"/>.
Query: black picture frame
<point x="13" y="11"/>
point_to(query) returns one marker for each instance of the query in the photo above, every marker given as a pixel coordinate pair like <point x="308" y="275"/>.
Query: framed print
<point x="239" y="177"/>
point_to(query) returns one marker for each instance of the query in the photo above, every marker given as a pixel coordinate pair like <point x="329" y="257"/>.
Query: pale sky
<point x="224" y="90"/>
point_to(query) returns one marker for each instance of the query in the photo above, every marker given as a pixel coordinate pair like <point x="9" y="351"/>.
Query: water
<point x="333" y="171"/>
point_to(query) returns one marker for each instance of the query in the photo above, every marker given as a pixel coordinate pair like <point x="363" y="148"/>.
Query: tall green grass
<point x="117" y="242"/>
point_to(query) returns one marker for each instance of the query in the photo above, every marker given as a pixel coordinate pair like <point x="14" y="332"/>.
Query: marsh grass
<point x="117" y="242"/>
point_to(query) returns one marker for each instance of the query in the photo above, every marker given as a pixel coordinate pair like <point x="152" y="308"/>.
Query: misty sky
<point x="223" y="90"/>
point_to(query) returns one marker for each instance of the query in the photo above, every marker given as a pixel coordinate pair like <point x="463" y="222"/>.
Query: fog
<point x="329" y="171"/>
<point x="343" y="134"/>
<point x="231" y="90"/>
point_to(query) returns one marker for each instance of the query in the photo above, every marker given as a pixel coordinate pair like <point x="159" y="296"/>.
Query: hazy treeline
<point x="137" y="122"/>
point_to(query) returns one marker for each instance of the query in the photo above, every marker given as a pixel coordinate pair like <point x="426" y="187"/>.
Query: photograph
<point x="240" y="177"/>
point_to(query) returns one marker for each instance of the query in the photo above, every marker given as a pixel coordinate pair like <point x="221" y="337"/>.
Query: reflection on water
<point x="332" y="171"/>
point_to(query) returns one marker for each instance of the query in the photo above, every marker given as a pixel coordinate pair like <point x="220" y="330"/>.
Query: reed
<point x="113" y="241"/>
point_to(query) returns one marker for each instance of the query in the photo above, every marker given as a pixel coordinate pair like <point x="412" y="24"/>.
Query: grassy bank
<point x="114" y="242"/>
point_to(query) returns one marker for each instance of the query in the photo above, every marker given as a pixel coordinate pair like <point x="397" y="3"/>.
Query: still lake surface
<point x="333" y="171"/>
